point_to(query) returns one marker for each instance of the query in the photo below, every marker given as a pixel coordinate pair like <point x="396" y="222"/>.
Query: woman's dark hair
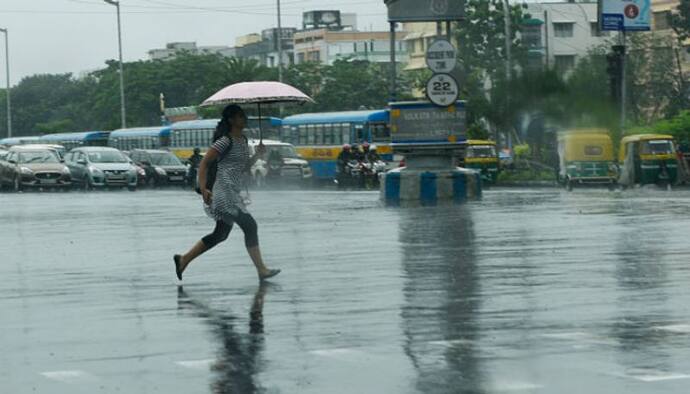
<point x="225" y="124"/>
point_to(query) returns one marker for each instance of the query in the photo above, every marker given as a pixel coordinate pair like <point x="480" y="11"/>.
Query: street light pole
<point x="122" y="73"/>
<point x="7" y="69"/>
<point x="279" y="37"/>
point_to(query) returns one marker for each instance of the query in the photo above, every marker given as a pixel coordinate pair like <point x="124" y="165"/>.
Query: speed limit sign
<point x="442" y="90"/>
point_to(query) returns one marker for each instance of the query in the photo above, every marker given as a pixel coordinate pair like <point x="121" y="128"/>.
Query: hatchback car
<point x="96" y="167"/>
<point x="161" y="167"/>
<point x="27" y="166"/>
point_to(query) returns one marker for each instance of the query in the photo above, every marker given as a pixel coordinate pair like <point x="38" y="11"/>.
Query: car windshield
<point x="165" y="159"/>
<point x="38" y="157"/>
<point x="285" y="151"/>
<point x="481" y="151"/>
<point x="657" y="147"/>
<point x="107" y="157"/>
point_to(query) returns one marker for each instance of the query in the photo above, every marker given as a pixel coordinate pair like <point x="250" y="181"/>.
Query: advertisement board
<point x="625" y="15"/>
<point x="425" y="10"/>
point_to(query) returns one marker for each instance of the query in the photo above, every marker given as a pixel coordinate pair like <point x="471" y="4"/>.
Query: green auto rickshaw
<point x="648" y="159"/>
<point x="482" y="156"/>
<point x="585" y="158"/>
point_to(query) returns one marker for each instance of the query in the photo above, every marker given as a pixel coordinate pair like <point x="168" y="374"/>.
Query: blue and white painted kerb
<point x="405" y="186"/>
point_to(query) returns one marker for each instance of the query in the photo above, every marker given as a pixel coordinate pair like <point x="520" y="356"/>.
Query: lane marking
<point x="652" y="375"/>
<point x="66" y="376"/>
<point x="515" y="386"/>
<point x="675" y="328"/>
<point x="196" y="364"/>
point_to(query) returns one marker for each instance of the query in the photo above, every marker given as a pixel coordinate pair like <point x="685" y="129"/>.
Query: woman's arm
<point x="209" y="157"/>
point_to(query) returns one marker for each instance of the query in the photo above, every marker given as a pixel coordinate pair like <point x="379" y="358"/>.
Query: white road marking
<point x="675" y="328"/>
<point x="515" y="386"/>
<point x="651" y="375"/>
<point x="338" y="353"/>
<point x="196" y="364"/>
<point x="66" y="376"/>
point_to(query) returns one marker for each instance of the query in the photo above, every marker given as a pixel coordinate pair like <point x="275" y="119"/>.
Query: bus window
<point x="311" y="135"/>
<point x="328" y="134"/>
<point x="302" y="135"/>
<point x="345" y="130"/>
<point x="381" y="133"/>
<point x="360" y="134"/>
<point x="319" y="132"/>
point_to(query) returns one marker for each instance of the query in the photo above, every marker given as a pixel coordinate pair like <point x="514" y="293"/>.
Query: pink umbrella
<point x="261" y="92"/>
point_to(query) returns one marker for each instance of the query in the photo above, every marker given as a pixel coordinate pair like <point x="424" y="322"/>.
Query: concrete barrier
<point x="407" y="186"/>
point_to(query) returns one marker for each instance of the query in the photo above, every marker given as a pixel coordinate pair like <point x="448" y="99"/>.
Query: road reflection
<point x="240" y="355"/>
<point x="442" y="299"/>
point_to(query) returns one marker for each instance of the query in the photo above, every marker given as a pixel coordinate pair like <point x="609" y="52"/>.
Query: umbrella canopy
<point x="262" y="92"/>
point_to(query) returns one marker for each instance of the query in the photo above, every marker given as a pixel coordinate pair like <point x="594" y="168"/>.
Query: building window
<point x="662" y="20"/>
<point x="565" y="63"/>
<point x="563" y="29"/>
<point x="594" y="30"/>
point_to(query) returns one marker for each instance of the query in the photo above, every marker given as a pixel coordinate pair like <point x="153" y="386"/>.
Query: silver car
<point x="97" y="167"/>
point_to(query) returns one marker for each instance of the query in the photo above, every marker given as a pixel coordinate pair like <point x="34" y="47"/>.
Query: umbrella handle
<point x="261" y="132"/>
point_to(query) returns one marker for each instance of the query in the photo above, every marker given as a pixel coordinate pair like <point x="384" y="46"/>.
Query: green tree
<point x="680" y="20"/>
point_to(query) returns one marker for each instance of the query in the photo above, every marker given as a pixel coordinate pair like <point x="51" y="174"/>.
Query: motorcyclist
<point x="345" y="156"/>
<point x="193" y="162"/>
<point x="373" y="155"/>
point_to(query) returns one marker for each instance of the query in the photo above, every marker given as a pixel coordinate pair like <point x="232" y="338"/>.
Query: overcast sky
<point x="55" y="36"/>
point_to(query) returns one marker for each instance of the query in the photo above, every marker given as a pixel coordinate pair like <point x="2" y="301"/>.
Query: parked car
<point x="96" y="167"/>
<point x="161" y="167"/>
<point x="3" y="154"/>
<point x="281" y="161"/>
<point x="33" y="167"/>
<point x="141" y="173"/>
<point x="59" y="149"/>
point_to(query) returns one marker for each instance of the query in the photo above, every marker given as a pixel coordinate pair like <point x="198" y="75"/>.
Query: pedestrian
<point x="222" y="200"/>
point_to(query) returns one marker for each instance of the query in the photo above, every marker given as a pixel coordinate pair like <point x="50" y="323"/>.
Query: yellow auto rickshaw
<point x="648" y="159"/>
<point x="585" y="157"/>
<point x="482" y="156"/>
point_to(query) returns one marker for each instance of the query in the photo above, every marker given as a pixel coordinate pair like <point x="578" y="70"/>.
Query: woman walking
<point x="222" y="200"/>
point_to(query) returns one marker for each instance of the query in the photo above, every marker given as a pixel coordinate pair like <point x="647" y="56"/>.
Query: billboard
<point x="625" y="15"/>
<point x="425" y="10"/>
<point x="421" y="122"/>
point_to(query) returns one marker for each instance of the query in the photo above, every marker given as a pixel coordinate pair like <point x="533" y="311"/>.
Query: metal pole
<point x="394" y="71"/>
<point x="624" y="90"/>
<point x="122" y="71"/>
<point x="508" y="33"/>
<point x="280" y="45"/>
<point x="448" y="31"/>
<point x="7" y="69"/>
<point x="546" y="39"/>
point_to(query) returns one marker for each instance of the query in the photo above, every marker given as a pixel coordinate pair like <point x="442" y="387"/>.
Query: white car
<point x="281" y="160"/>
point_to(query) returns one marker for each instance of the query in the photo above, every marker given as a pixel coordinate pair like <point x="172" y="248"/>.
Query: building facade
<point x="662" y="10"/>
<point x="325" y="46"/>
<point x="417" y="38"/>
<point x="558" y="34"/>
<point x="173" y="49"/>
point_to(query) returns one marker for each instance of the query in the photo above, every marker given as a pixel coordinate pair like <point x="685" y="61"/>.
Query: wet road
<point x="534" y="291"/>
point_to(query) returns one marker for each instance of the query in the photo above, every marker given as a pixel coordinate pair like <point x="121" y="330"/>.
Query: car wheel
<point x="151" y="182"/>
<point x="17" y="184"/>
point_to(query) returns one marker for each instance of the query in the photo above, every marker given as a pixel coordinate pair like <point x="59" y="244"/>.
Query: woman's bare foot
<point x="269" y="273"/>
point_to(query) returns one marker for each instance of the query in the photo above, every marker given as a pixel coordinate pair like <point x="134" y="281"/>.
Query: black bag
<point x="212" y="169"/>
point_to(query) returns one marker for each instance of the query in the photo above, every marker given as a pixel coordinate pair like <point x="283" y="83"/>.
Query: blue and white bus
<point x="156" y="137"/>
<point x="191" y="134"/>
<point x="74" y="140"/>
<point x="319" y="137"/>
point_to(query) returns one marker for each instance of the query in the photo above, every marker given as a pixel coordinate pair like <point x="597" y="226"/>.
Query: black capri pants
<point x="222" y="231"/>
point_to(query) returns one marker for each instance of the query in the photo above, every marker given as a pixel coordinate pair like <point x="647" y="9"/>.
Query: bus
<point x="156" y="137"/>
<point x="319" y="137"/>
<point x="18" y="141"/>
<point x="74" y="140"/>
<point x="190" y="134"/>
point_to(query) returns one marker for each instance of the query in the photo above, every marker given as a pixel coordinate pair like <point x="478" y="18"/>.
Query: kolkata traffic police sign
<point x="625" y="15"/>
<point x="441" y="57"/>
<point x="442" y="90"/>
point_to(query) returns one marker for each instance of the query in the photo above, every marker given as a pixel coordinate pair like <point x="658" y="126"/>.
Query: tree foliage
<point x="60" y="103"/>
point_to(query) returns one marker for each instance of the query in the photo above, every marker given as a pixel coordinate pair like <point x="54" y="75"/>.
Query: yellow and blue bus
<point x="12" y="141"/>
<point x="75" y="140"/>
<point x="157" y="137"/>
<point x="191" y="134"/>
<point x="319" y="137"/>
